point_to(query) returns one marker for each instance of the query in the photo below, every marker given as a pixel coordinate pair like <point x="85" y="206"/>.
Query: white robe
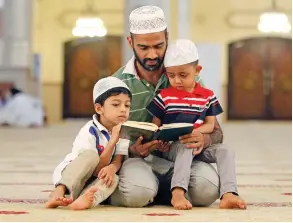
<point x="22" y="110"/>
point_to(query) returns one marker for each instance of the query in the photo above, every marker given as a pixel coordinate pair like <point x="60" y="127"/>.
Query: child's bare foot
<point x="57" y="198"/>
<point x="230" y="201"/>
<point x="85" y="200"/>
<point x="179" y="201"/>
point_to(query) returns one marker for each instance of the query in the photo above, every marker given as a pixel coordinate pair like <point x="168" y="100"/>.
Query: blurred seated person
<point x="20" y="109"/>
<point x="2" y="102"/>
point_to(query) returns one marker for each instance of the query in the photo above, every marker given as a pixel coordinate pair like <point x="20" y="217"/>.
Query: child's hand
<point x="193" y="140"/>
<point x="107" y="175"/>
<point x="115" y="133"/>
<point x="197" y="151"/>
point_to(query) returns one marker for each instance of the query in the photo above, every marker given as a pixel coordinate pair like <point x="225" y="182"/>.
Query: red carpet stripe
<point x="13" y="212"/>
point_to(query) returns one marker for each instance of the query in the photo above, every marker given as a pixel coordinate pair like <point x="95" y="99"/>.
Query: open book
<point x="171" y="132"/>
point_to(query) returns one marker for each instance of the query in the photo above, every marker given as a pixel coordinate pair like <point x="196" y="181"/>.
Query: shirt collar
<point x="98" y="124"/>
<point x="130" y="68"/>
<point x="197" y="91"/>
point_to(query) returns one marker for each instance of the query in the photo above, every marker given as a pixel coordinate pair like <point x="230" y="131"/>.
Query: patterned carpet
<point x="264" y="174"/>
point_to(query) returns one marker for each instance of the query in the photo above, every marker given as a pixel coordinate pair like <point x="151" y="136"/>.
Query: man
<point x="21" y="109"/>
<point x="144" y="180"/>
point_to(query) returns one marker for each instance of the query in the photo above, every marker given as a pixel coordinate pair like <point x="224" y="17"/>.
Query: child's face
<point x="183" y="77"/>
<point x="115" y="109"/>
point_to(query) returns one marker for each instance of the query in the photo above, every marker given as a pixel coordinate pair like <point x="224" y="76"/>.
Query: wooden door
<point x="280" y="72"/>
<point x="246" y="89"/>
<point x="86" y="61"/>
<point x="113" y="56"/>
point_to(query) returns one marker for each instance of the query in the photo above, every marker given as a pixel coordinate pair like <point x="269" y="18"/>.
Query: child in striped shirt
<point x="188" y="102"/>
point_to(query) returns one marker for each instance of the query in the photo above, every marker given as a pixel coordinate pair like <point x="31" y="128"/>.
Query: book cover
<point x="133" y="130"/>
<point x="133" y="133"/>
<point x="172" y="134"/>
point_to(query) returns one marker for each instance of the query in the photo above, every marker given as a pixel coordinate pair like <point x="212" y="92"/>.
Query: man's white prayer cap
<point x="147" y="19"/>
<point x="181" y="52"/>
<point x="106" y="84"/>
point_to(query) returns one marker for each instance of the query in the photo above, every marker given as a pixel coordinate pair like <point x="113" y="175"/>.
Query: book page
<point x="175" y="125"/>
<point x="141" y="125"/>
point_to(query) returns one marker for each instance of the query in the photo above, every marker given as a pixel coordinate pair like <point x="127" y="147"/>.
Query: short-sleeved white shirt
<point x="92" y="136"/>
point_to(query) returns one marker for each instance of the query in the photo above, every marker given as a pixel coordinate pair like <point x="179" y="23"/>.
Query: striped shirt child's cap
<point x="181" y="52"/>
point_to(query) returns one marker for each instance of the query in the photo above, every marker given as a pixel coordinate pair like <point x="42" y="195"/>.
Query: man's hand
<point x="144" y="149"/>
<point x="107" y="175"/>
<point x="193" y="140"/>
<point x="163" y="146"/>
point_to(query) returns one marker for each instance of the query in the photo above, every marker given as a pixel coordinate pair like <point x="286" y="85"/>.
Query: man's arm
<point x="215" y="137"/>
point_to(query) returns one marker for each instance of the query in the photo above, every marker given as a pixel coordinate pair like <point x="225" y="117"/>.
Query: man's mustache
<point x="148" y="59"/>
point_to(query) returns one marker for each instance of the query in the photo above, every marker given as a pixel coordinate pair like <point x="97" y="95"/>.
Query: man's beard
<point x="147" y="67"/>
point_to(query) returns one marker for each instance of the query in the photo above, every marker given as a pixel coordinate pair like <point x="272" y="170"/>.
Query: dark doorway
<point x="86" y="61"/>
<point x="260" y="79"/>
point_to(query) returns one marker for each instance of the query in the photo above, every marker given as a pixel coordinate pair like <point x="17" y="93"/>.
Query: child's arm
<point x="157" y="109"/>
<point x="107" y="174"/>
<point x="157" y="121"/>
<point x="208" y="126"/>
<point x="106" y="155"/>
<point x="116" y="163"/>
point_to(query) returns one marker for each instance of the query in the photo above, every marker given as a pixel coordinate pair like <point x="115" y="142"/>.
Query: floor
<point x="264" y="174"/>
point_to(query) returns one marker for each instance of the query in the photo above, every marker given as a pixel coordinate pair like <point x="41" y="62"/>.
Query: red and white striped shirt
<point x="175" y="106"/>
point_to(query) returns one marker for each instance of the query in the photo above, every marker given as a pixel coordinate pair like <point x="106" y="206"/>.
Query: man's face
<point x="149" y="49"/>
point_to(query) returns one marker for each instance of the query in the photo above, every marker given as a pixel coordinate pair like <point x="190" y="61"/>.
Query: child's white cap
<point x="147" y="19"/>
<point x="181" y="52"/>
<point x="106" y="84"/>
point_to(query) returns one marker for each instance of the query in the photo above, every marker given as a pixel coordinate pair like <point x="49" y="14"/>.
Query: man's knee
<point x="204" y="184"/>
<point x="203" y="193"/>
<point x="223" y="150"/>
<point x="133" y="196"/>
<point x="134" y="190"/>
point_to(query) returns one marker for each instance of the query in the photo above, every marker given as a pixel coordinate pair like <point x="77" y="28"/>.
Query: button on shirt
<point x="92" y="136"/>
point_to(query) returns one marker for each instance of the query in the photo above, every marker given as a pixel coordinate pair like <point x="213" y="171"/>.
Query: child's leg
<point x="74" y="177"/>
<point x="94" y="194"/>
<point x="181" y="175"/>
<point x="225" y="160"/>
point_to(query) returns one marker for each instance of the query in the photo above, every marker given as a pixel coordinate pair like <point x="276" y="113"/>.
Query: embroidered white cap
<point x="106" y="84"/>
<point x="181" y="52"/>
<point x="147" y="19"/>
